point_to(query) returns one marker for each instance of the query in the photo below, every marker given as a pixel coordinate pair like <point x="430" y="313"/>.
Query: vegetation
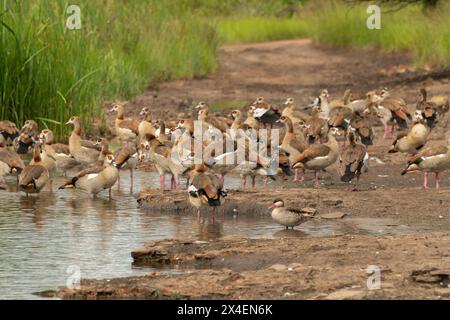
<point x="48" y="72"/>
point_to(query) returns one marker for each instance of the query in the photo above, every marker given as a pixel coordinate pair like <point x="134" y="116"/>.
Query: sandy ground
<point x="413" y="258"/>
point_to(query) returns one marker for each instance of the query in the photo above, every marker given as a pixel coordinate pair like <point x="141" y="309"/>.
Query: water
<point x="42" y="236"/>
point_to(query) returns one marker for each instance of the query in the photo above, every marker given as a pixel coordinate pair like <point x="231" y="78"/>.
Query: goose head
<point x="277" y="203"/>
<point x="116" y="108"/>
<point x="235" y="114"/>
<point x="46" y="136"/>
<point x="201" y="105"/>
<point x="144" y="112"/>
<point x="73" y="120"/>
<point x="289" y="102"/>
<point x="30" y="125"/>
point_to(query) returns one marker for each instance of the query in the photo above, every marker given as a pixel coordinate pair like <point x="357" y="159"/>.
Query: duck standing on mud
<point x="287" y="217"/>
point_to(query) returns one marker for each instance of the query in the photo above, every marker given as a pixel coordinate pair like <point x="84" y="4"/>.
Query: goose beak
<point x="271" y="207"/>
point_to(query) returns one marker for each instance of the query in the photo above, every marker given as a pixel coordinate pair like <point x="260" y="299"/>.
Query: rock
<point x="430" y="276"/>
<point x="333" y="215"/>
<point x="344" y="294"/>
<point x="278" y="267"/>
<point x="443" y="292"/>
<point x="309" y="210"/>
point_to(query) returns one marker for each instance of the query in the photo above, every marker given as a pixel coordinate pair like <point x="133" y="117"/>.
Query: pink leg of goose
<point x="198" y="214"/>
<point x="296" y="174"/>
<point x="172" y="183"/>
<point x="266" y="179"/>
<point x="317" y="184"/>
<point x="425" y="180"/>
<point x="302" y="177"/>
<point x="386" y="131"/>
<point x="437" y="180"/>
<point x="244" y="182"/>
<point x="162" y="179"/>
<point x="253" y="182"/>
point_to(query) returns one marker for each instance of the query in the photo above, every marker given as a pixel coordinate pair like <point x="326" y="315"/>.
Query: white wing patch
<point x="436" y="156"/>
<point x="259" y="112"/>
<point x="192" y="188"/>
<point x="92" y="176"/>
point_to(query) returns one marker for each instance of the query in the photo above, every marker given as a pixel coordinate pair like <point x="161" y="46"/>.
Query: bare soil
<point x="414" y="264"/>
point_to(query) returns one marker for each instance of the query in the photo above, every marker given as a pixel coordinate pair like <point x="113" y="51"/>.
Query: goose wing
<point x="31" y="173"/>
<point x="313" y="151"/>
<point x="13" y="160"/>
<point x="428" y="152"/>
<point x="130" y="124"/>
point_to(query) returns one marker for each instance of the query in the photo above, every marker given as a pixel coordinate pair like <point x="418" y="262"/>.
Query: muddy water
<point x="45" y="238"/>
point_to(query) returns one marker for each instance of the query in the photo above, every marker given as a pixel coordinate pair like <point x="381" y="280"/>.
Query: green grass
<point x="49" y="73"/>
<point x="228" y="105"/>
<point x="426" y="36"/>
<point x="257" y="29"/>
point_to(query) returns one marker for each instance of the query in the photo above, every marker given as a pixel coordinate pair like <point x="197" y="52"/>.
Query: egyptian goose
<point x="264" y="112"/>
<point x="354" y="158"/>
<point x="128" y="157"/>
<point x="47" y="160"/>
<point x="362" y="105"/>
<point x="126" y="129"/>
<point x="342" y="102"/>
<point x="385" y="116"/>
<point x="31" y="128"/>
<point x="218" y="122"/>
<point x="24" y="143"/>
<point x="96" y="180"/>
<point x="400" y="112"/>
<point x="250" y="121"/>
<point x="315" y="126"/>
<point x="34" y="176"/>
<point x="363" y="128"/>
<point x="442" y="104"/>
<point x="321" y="103"/>
<point x="432" y="159"/>
<point x="59" y="151"/>
<point x="295" y="115"/>
<point x="319" y="156"/>
<point x="96" y="166"/>
<point x="291" y="144"/>
<point x="428" y="108"/>
<point x="10" y="162"/>
<point x="288" y="217"/>
<point x="159" y="155"/>
<point x="8" y="132"/>
<point x="82" y="154"/>
<point x="339" y="117"/>
<point x="205" y="189"/>
<point x="146" y="126"/>
<point x="415" y="139"/>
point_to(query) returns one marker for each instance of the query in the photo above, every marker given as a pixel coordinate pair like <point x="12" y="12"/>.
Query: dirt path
<point x="295" y="68"/>
<point x="294" y="266"/>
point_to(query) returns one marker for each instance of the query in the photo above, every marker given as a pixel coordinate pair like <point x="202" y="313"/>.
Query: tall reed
<point x="48" y="72"/>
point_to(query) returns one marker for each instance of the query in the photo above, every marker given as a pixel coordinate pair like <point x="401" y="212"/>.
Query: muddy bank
<point x="411" y="266"/>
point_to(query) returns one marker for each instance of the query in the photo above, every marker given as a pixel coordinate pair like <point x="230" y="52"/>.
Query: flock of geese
<point x="311" y="138"/>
